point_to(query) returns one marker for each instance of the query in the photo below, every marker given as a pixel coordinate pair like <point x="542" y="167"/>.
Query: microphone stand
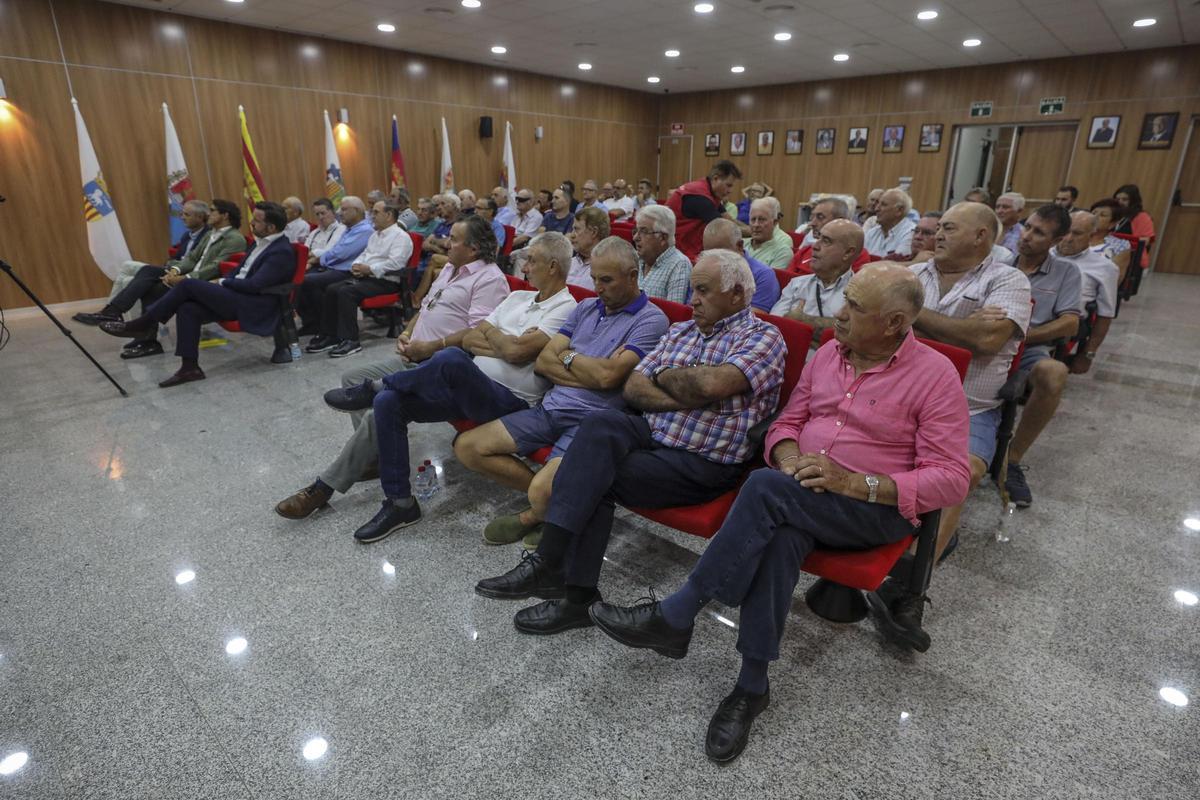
<point x="6" y="267"/>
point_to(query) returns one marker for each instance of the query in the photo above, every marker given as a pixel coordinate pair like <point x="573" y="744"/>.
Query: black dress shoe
<point x="346" y="348"/>
<point x="552" y="616"/>
<point x="282" y="355"/>
<point x="642" y="626"/>
<point x="183" y="376"/>
<point x="899" y="614"/>
<point x="729" y="729"/>
<point x="390" y="519"/>
<point x="533" y="577"/>
<point x="352" y="398"/>
<point x="96" y="319"/>
<point x="128" y="330"/>
<point x="141" y="349"/>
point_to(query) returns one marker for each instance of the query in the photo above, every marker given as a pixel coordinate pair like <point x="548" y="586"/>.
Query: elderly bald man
<point x="824" y="210"/>
<point x="725" y="234"/>
<point x="975" y="302"/>
<point x="297" y="226"/>
<point x="893" y="231"/>
<point x="817" y="298"/>
<point x="768" y="242"/>
<point x="874" y="435"/>
<point x="1008" y="208"/>
<point x="1100" y="278"/>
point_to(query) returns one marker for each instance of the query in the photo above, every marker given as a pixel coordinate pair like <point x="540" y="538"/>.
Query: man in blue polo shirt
<point x="588" y="361"/>
<point x="724" y="234"/>
<point x="334" y="264"/>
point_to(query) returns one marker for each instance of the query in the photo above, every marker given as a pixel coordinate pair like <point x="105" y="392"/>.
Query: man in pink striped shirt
<point x="874" y="435"/>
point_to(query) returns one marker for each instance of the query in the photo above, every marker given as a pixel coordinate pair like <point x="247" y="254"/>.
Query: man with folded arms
<point x="527" y="220"/>
<point x="379" y="269"/>
<point x="816" y="299"/>
<point x="588" y="360"/>
<point x="709" y="381"/>
<point x="469" y="289"/>
<point x="203" y="262"/>
<point x="873" y="436"/>
<point x="270" y="262"/>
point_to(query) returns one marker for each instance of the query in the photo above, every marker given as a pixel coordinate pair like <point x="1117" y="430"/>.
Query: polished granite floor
<point x="163" y="634"/>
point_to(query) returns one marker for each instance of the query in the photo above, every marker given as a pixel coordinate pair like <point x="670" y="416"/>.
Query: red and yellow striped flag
<point x="254" y="189"/>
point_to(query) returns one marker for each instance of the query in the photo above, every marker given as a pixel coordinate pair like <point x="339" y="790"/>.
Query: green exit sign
<point x="1051" y="105"/>
<point x="981" y="108"/>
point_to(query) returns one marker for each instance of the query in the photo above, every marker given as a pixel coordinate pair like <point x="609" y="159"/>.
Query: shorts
<point x="984" y="427"/>
<point x="1031" y="356"/>
<point x="535" y="428"/>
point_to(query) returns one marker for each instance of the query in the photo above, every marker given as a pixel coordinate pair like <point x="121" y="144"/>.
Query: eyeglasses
<point x="524" y="199"/>
<point x="644" y="231"/>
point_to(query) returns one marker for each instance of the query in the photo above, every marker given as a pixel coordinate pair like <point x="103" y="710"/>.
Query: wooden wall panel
<point x="1129" y="84"/>
<point x="1042" y="161"/>
<point x="124" y="62"/>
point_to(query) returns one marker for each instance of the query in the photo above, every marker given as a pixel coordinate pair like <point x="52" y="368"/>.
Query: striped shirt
<point x="719" y="430"/>
<point x="989" y="284"/>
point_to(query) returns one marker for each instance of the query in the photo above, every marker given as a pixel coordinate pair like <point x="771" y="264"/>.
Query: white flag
<point x="447" y="167"/>
<point x="335" y="186"/>
<point x="508" y="175"/>
<point x="105" y="239"/>
<point x="179" y="182"/>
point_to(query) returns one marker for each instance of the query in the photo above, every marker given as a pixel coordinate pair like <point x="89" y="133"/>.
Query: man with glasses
<point x="528" y="219"/>
<point x="663" y="271"/>
<point x="486" y="208"/>
<point x="591" y="197"/>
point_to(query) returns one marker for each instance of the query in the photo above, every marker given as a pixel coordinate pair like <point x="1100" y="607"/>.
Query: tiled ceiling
<point x="625" y="40"/>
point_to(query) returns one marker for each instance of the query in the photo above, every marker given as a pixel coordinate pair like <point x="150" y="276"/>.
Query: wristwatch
<point x="1090" y="355"/>
<point x="567" y="358"/>
<point x="655" y="375"/>
<point x="872" y="487"/>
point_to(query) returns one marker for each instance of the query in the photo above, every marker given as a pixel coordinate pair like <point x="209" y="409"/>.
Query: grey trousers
<point x="361" y="449"/>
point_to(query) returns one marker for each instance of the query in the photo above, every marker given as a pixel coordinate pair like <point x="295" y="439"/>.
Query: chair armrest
<point x="757" y="435"/>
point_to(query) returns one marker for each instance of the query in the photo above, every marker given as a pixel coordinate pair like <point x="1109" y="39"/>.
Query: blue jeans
<point x="446" y="387"/>
<point x="754" y="559"/>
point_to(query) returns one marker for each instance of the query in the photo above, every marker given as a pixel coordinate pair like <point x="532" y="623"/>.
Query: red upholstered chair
<point x="516" y="284"/>
<point x="706" y="519"/>
<point x="797" y="240"/>
<point x="579" y="293"/>
<point x="285" y="331"/>
<point x="392" y="303"/>
<point x="510" y="233"/>
<point x="676" y="312"/>
<point x="172" y="252"/>
<point x="624" y="230"/>
<point x="312" y="226"/>
<point x="784" y="277"/>
<point x="844" y="574"/>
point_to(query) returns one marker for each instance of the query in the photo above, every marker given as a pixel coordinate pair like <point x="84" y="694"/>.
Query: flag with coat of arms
<point x="179" y="181"/>
<point x="508" y="170"/>
<point x="447" y="182"/>
<point x="335" y="185"/>
<point x="106" y="240"/>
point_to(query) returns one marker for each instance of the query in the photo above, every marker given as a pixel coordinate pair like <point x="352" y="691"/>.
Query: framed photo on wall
<point x="766" y="143"/>
<point x="825" y="140"/>
<point x="857" y="141"/>
<point x="793" y="143"/>
<point x="737" y="143"/>
<point x="1103" y="133"/>
<point x="931" y="138"/>
<point x="893" y="138"/>
<point x="712" y="144"/>
<point x="1158" y="131"/>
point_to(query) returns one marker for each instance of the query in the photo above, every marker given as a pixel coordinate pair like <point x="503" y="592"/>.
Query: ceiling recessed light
<point x="671" y="54"/>
<point x="1192" y="524"/>
<point x="737" y="68"/>
<point x="499" y="50"/>
<point x="841" y="56"/>
<point x="1186" y="598"/>
<point x="972" y="42"/>
<point x="1144" y="23"/>
<point x="234" y="1"/>
<point x="315" y="747"/>
<point x="235" y="646"/>
<point x="471" y="3"/>
<point x="782" y="36"/>
<point x="653" y="79"/>
<point x="585" y="66"/>
<point x="927" y="15"/>
<point x="1173" y="696"/>
<point x="386" y="27"/>
<point x="703" y="8"/>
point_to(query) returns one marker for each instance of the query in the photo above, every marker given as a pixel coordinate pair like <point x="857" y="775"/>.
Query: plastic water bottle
<point x="1004" y="532"/>
<point x="421" y="487"/>
<point x="432" y="476"/>
<point x="295" y="351"/>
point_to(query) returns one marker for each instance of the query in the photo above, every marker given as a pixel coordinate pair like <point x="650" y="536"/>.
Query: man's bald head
<point x="1079" y="236"/>
<point x="881" y="303"/>
<point x="893" y="289"/>
<point x="845" y="232"/>
<point x="836" y="249"/>
<point x="965" y="236"/>
<point x="723" y="234"/>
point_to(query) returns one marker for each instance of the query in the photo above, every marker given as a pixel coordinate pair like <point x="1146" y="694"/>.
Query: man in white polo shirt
<point x="815" y="299"/>
<point x="891" y="236"/>
<point x="1100" y="278"/>
<point x="499" y="380"/>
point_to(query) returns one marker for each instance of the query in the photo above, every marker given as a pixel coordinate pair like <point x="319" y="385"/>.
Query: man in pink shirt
<point x="874" y="435"/>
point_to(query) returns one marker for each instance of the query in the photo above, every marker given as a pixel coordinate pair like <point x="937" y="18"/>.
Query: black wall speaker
<point x="485" y="127"/>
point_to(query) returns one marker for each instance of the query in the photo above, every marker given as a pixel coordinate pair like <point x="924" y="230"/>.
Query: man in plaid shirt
<point x="702" y="389"/>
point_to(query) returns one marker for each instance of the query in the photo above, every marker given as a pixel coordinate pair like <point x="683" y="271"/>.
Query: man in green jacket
<point x="202" y="262"/>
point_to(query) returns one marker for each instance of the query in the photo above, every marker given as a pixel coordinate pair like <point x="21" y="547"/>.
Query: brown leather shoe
<point x="183" y="376"/>
<point x="304" y="502"/>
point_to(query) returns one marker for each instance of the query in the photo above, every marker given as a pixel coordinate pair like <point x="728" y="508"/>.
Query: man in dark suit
<point x="858" y="139"/>
<point x="270" y="262"/>
<point x="1104" y="133"/>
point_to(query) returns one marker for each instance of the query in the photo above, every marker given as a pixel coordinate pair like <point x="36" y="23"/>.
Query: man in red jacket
<point x="698" y="203"/>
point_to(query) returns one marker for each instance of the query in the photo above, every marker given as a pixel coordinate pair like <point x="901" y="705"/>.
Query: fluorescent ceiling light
<point x="972" y="42"/>
<point x="927" y="15"/>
